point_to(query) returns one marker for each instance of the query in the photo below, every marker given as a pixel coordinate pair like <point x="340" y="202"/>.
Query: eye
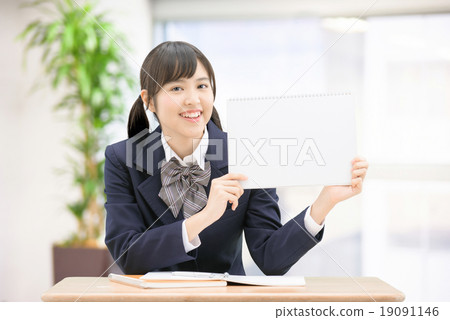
<point x="203" y="86"/>
<point x="176" y="89"/>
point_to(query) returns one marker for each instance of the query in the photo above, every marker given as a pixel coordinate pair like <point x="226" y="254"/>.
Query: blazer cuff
<point x="189" y="246"/>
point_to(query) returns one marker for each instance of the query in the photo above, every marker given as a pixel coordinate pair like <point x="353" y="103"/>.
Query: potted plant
<point x="81" y="58"/>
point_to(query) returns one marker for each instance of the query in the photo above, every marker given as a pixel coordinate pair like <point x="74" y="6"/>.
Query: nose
<point x="192" y="98"/>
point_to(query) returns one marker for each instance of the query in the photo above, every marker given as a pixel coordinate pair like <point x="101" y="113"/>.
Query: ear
<point x="151" y="105"/>
<point x="148" y="102"/>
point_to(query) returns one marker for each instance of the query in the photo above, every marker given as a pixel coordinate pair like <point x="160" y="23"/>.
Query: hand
<point x="223" y="190"/>
<point x="339" y="193"/>
<point x="331" y="195"/>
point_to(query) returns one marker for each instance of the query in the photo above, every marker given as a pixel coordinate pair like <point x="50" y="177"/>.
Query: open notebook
<point x="183" y="279"/>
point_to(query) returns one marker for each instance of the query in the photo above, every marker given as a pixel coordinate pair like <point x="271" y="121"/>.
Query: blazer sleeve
<point x="275" y="247"/>
<point x="137" y="246"/>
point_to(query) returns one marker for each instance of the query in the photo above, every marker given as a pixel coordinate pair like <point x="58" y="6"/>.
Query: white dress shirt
<point x="198" y="157"/>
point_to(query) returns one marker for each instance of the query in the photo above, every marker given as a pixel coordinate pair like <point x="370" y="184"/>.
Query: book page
<point x="282" y="281"/>
<point x="206" y="276"/>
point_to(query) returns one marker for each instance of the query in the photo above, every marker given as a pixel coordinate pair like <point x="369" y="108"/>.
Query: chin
<point x="195" y="134"/>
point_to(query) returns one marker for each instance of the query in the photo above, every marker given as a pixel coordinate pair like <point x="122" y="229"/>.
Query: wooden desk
<point x="316" y="289"/>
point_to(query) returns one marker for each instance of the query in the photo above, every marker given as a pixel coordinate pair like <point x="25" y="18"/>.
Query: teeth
<point x="191" y="115"/>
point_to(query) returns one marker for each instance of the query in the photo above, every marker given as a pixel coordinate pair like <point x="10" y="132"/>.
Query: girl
<point x="171" y="203"/>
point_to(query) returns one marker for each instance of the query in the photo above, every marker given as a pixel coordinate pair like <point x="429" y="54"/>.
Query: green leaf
<point x="52" y="31"/>
<point x="97" y="97"/>
<point x="61" y="73"/>
<point x="84" y="82"/>
<point x="68" y="37"/>
<point x="90" y="187"/>
<point x="33" y="25"/>
<point x="77" y="208"/>
<point x="91" y="40"/>
<point x="68" y="101"/>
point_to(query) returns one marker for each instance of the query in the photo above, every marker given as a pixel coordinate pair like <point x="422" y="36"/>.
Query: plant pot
<point x="81" y="262"/>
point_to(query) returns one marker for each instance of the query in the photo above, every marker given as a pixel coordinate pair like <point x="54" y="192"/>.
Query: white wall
<point x="32" y="196"/>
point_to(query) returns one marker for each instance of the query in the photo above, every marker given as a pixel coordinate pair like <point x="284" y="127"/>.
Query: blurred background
<point x="394" y="56"/>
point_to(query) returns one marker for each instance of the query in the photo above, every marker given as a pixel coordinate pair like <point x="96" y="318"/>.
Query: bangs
<point x="180" y="62"/>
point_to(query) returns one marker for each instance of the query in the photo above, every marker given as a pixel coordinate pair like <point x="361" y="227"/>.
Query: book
<point x="187" y="279"/>
<point x="137" y="281"/>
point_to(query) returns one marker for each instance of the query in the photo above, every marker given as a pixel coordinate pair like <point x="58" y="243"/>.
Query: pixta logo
<point x="136" y="149"/>
<point x="285" y="148"/>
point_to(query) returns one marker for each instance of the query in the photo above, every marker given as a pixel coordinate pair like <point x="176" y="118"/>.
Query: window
<point x="399" y="71"/>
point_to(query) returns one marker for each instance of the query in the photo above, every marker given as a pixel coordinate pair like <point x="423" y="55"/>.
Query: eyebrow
<point x="198" y="79"/>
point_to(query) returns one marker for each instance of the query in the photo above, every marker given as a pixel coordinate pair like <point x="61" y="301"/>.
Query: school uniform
<point x="144" y="235"/>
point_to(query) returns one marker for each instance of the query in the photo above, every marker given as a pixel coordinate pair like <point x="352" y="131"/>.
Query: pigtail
<point x="137" y="120"/>
<point x="215" y="118"/>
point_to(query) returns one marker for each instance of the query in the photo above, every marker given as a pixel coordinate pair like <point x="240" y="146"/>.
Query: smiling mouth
<point x="193" y="116"/>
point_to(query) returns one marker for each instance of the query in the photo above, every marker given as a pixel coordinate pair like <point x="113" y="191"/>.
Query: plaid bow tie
<point x="184" y="187"/>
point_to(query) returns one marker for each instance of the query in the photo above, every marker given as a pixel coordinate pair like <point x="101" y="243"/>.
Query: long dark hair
<point x="168" y="62"/>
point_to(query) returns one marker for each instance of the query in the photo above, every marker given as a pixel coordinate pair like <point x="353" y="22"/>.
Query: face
<point x="185" y="105"/>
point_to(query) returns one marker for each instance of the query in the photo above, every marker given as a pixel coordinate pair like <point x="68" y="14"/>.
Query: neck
<point x="183" y="146"/>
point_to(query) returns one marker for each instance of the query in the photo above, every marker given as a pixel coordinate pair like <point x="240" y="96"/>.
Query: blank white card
<point x="292" y="140"/>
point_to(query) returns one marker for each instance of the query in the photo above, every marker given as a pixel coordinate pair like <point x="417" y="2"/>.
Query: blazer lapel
<point x="148" y="154"/>
<point x="217" y="153"/>
<point x="149" y="189"/>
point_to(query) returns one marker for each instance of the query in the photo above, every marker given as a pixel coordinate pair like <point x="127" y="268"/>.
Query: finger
<point x="359" y="173"/>
<point x="361" y="164"/>
<point x="234" y="200"/>
<point x="358" y="158"/>
<point x="233" y="190"/>
<point x="233" y="183"/>
<point x="235" y="205"/>
<point x="356" y="182"/>
<point x="234" y="176"/>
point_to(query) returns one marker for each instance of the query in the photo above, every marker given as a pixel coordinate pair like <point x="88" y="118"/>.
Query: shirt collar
<point x="197" y="157"/>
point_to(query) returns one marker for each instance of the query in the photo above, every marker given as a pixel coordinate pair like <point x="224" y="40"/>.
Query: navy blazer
<point x="143" y="235"/>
